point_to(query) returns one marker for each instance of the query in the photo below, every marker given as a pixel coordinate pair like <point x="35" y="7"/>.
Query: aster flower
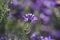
<point x="30" y="17"/>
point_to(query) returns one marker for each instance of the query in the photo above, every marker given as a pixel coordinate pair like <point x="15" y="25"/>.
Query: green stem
<point x="27" y="28"/>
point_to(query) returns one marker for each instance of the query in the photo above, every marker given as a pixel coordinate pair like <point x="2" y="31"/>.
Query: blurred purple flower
<point x="42" y="16"/>
<point x="3" y="38"/>
<point x="48" y="38"/>
<point x="33" y="37"/>
<point x="36" y="5"/>
<point x="45" y="38"/>
<point x="15" y="37"/>
<point x="45" y="19"/>
<point x="15" y="2"/>
<point x="18" y="14"/>
<point x="47" y="11"/>
<point x="49" y="3"/>
<point x="41" y="37"/>
<point x="10" y="15"/>
<point x="56" y="33"/>
<point x="30" y="17"/>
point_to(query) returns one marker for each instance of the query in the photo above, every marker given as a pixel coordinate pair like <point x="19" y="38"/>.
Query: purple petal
<point x="48" y="38"/>
<point x="33" y="36"/>
<point x="42" y="16"/>
<point x="36" y="5"/>
<point x="47" y="11"/>
<point x="30" y="16"/>
<point x="14" y="2"/>
<point x="10" y="15"/>
<point x="49" y="3"/>
<point x="46" y="20"/>
<point x="56" y="33"/>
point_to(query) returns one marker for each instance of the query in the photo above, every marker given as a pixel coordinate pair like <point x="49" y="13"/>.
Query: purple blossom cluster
<point x="30" y="17"/>
<point x="46" y="12"/>
<point x="3" y="38"/>
<point x="35" y="36"/>
<point x="44" y="15"/>
<point x="49" y="3"/>
<point x="35" y="5"/>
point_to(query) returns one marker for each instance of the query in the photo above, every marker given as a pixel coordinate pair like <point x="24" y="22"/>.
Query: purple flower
<point x="14" y="2"/>
<point x="33" y="36"/>
<point x="15" y="37"/>
<point x="56" y="33"/>
<point x="47" y="11"/>
<point x="36" y="5"/>
<point x="45" y="19"/>
<point x="49" y="3"/>
<point x="42" y="16"/>
<point x="3" y="38"/>
<point x="45" y="38"/>
<point x="30" y="17"/>
<point x="48" y="38"/>
<point x="18" y="14"/>
<point x="10" y="15"/>
<point x="41" y="37"/>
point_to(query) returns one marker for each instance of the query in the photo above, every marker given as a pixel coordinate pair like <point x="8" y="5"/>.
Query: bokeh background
<point x="29" y="19"/>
